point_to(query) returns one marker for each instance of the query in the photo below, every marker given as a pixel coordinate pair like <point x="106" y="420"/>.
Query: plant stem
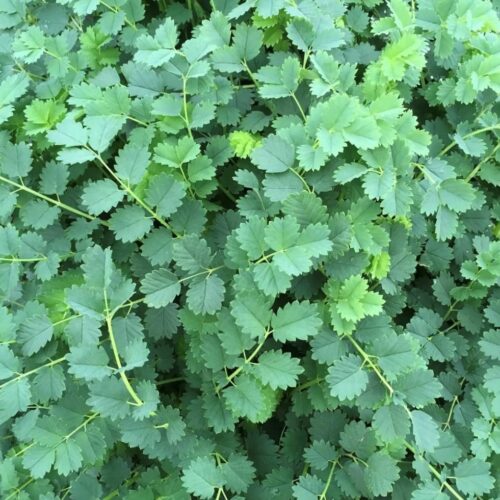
<point x="16" y="259"/>
<point x="169" y="381"/>
<point x="184" y="104"/>
<point x="21" y="488"/>
<point x="35" y="370"/>
<point x="310" y="383"/>
<point x="246" y="362"/>
<point x="437" y="474"/>
<point x="57" y="203"/>
<point x="481" y="163"/>
<point x="306" y="185"/>
<point x="466" y="136"/>
<point x="373" y="366"/>
<point x="250" y="74"/>
<point x="116" y="11"/>
<point x="294" y="97"/>
<point x="131" y="193"/>
<point x="126" y="382"/>
<point x="328" y="481"/>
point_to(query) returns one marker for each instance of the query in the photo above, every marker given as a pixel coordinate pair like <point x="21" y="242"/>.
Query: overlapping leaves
<point x="249" y="249"/>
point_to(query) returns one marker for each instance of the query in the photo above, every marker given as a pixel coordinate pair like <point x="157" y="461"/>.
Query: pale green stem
<point x="294" y="97"/>
<point x="466" y="136"/>
<point x="437" y="474"/>
<point x="126" y="382"/>
<point x="373" y="366"/>
<point x="247" y="361"/>
<point x="57" y="203"/>
<point x="131" y="193"/>
<point x="35" y="370"/>
<point x="185" y="109"/>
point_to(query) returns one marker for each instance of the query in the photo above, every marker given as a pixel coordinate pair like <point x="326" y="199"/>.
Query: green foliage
<point x="249" y="249"/>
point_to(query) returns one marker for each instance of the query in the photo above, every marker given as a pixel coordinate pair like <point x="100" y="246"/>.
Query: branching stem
<point x="57" y="203"/>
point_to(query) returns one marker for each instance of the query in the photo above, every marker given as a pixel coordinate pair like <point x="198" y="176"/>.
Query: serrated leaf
<point x="297" y="320"/>
<point x="473" y="477"/>
<point x="34" y="333"/>
<point x="278" y="369"/>
<point x="382" y="472"/>
<point x="202" y="477"/>
<point x="346" y="378"/>
<point x="274" y="155"/>
<point x="88" y="362"/>
<point x="206" y="295"/>
<point x="160" y="288"/>
<point x="130" y="223"/>
<point x="102" y="196"/>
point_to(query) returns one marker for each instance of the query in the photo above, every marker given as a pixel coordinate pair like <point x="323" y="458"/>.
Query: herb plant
<point x="249" y="249"/>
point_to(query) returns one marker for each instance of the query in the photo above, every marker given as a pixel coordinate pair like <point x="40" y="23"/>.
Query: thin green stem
<point x="466" y="136"/>
<point x="227" y="193"/>
<point x="127" y="483"/>
<point x="68" y="318"/>
<point x="66" y="437"/>
<point x="355" y="458"/>
<point x="247" y="361"/>
<point x="306" y="185"/>
<point x="116" y="11"/>
<point x="476" y="169"/>
<point x="185" y="108"/>
<point x="59" y="58"/>
<point x="294" y="97"/>
<point x="139" y="122"/>
<point x="16" y="259"/>
<point x="126" y="382"/>
<point x="310" y="383"/>
<point x="328" y="481"/>
<point x="21" y="488"/>
<point x="450" y="413"/>
<point x="265" y="257"/>
<point x="186" y="180"/>
<point x="182" y="280"/>
<point x="453" y="325"/>
<point x="81" y="426"/>
<point x="452" y="307"/>
<point x="31" y="372"/>
<point x="57" y="203"/>
<point x="170" y="381"/>
<point x="367" y="359"/>
<point x="201" y="273"/>
<point x="437" y="474"/>
<point x="131" y="303"/>
<point x="23" y="450"/>
<point x="306" y="57"/>
<point x="250" y="74"/>
<point x="131" y="193"/>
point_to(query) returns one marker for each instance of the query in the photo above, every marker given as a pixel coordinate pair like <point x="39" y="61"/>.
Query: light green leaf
<point x="88" y="362"/>
<point x="382" y="472"/>
<point x="165" y="193"/>
<point x="34" y="333"/>
<point x="346" y="378"/>
<point x="14" y="397"/>
<point x="160" y="288"/>
<point x="296" y="321"/>
<point x="206" y="295"/>
<point x="201" y="477"/>
<point x="101" y="196"/>
<point x="130" y="223"/>
<point x="473" y="477"/>
<point x="278" y="369"/>
<point x="425" y="431"/>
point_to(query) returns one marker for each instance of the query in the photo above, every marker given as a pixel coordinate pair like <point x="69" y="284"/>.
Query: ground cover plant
<point x="249" y="249"/>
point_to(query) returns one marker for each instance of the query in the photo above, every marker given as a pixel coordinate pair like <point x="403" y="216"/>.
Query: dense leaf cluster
<point x="249" y="249"/>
